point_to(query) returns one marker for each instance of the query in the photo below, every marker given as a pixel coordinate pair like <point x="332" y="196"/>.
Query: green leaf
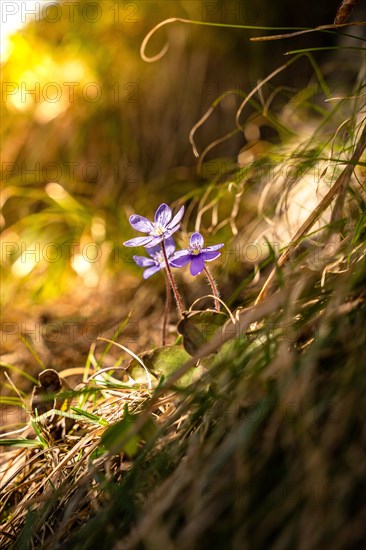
<point x="198" y="327"/>
<point x="98" y="452"/>
<point x="20" y="443"/>
<point x="92" y="417"/>
<point x="15" y="401"/>
<point x="161" y="362"/>
<point x="119" y="436"/>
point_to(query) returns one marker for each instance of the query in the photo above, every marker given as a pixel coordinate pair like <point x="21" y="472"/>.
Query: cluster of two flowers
<point x="160" y="232"/>
<point x="161" y="248"/>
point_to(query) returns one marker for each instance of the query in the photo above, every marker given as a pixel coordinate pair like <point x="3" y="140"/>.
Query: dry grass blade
<point x="339" y="185"/>
<point x="37" y="477"/>
<point x="305" y="31"/>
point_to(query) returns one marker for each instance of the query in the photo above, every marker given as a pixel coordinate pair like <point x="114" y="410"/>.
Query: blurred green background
<point x="91" y="132"/>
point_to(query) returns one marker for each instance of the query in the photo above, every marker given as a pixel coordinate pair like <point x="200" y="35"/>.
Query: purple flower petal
<point x="163" y="215"/>
<point x="151" y="271"/>
<point x="166" y="235"/>
<point x="196" y="240"/>
<point x="141" y="224"/>
<point x="142" y="261"/>
<point x="177" y="218"/>
<point x="179" y="262"/>
<point x="169" y="246"/>
<point x="197" y="265"/>
<point x="139" y="241"/>
<point x="213" y="247"/>
<point x="180" y="253"/>
<point x="210" y="255"/>
<point x="152" y="250"/>
<point x="180" y="258"/>
<point x="169" y="231"/>
<point x="154" y="241"/>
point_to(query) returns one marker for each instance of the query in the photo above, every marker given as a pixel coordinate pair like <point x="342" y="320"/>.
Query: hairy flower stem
<point x="215" y="291"/>
<point x="170" y="275"/>
<point x="167" y="307"/>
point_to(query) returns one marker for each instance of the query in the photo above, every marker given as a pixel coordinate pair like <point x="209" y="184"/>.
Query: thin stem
<point x="170" y="275"/>
<point x="167" y="307"/>
<point x="215" y="291"/>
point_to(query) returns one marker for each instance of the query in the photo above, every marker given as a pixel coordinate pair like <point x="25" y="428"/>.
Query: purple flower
<point x="159" y="230"/>
<point x="196" y="254"/>
<point x="156" y="261"/>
